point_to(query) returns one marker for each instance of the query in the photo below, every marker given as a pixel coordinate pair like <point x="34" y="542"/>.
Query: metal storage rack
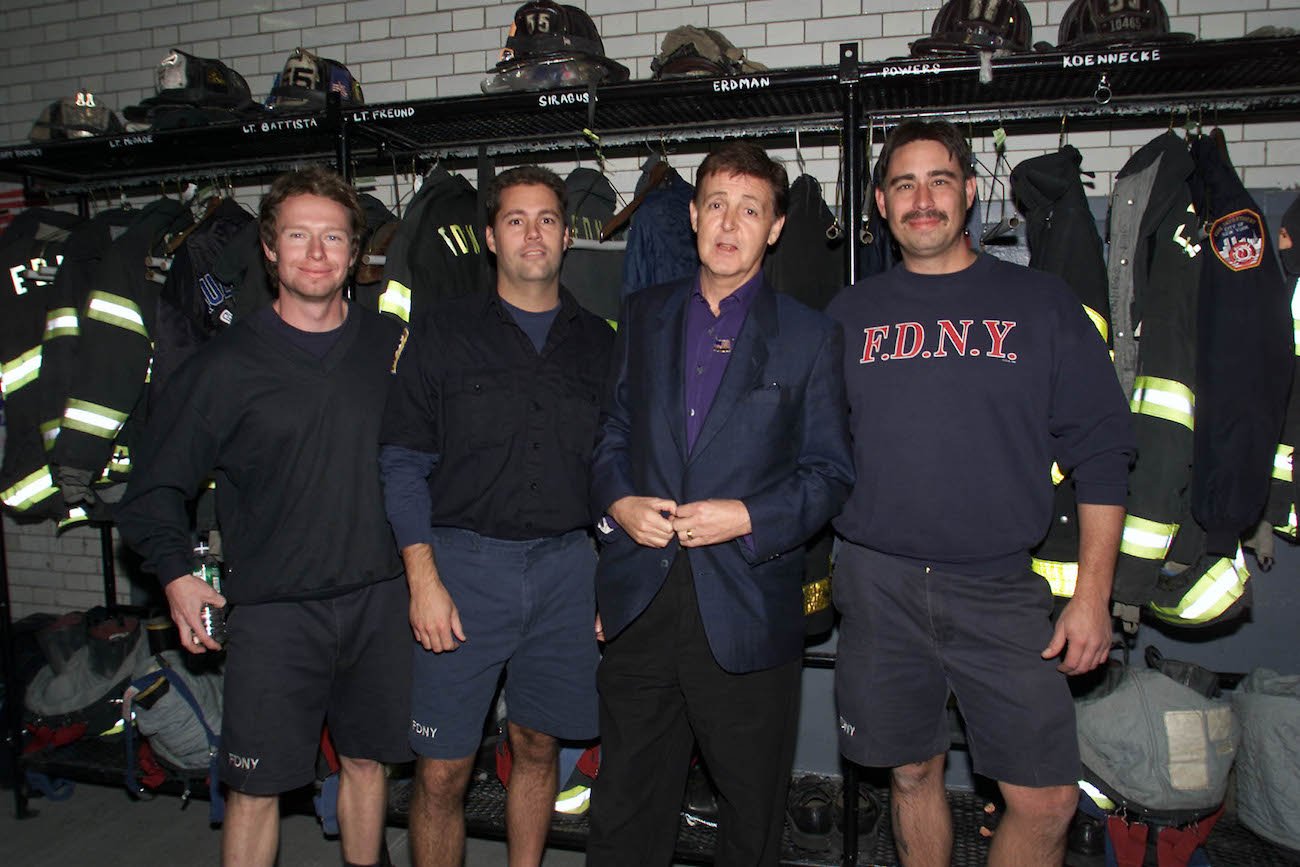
<point x="1224" y="80"/>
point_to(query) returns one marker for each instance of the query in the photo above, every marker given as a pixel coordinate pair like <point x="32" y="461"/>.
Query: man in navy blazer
<point x="723" y="446"/>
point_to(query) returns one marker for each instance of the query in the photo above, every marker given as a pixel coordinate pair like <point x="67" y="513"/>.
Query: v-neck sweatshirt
<point x="292" y="444"/>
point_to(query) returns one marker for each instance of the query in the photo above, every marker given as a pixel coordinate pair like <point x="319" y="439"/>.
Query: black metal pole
<point x="109" y="565"/>
<point x="13" y="690"/>
<point x="849" y="82"/>
<point x="852" y="144"/>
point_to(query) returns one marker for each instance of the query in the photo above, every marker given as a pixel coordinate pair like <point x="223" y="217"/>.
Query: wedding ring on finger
<point x="690" y="534"/>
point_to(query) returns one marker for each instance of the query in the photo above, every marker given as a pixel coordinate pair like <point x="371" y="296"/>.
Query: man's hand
<point x="186" y="596"/>
<point x="711" y="522"/>
<point x="434" y="618"/>
<point x="600" y="628"/>
<point x="435" y="622"/>
<point x="1084" y="631"/>
<point x="643" y="518"/>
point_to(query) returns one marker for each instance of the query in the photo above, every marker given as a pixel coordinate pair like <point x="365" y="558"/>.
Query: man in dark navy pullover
<point x="967" y="378"/>
<point x="282" y="410"/>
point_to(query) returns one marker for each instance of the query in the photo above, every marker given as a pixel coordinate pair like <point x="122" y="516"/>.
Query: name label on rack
<point x="911" y="69"/>
<point x="724" y="85"/>
<point x="365" y="114"/>
<point x="281" y="125"/>
<point x="130" y="141"/>
<point x="15" y="153"/>
<point x="1072" y="61"/>
<point x="547" y="100"/>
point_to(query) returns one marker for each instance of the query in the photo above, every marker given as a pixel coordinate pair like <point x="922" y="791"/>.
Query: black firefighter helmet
<point x="963" y="26"/>
<point x="552" y="46"/>
<point x="1097" y="22"/>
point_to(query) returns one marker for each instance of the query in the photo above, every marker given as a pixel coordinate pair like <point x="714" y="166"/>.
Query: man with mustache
<point x="967" y="378"/>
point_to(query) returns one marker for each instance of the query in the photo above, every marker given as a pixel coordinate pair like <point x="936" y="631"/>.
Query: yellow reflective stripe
<point x="573" y="801"/>
<point x="62" y="322"/>
<point x="816" y="596"/>
<point x="120" y="462"/>
<point x="1061" y="577"/>
<point x="613" y="323"/>
<point x="1163" y="398"/>
<point x="1295" y="325"/>
<point x="1212" y="594"/>
<point x="396" y="300"/>
<point x="76" y="515"/>
<point x="116" y="310"/>
<point x="93" y="419"/>
<point x="1098" y="321"/>
<point x="1292" y="527"/>
<point x="1057" y="475"/>
<point x="20" y="371"/>
<point x="1283" y="462"/>
<point x="50" y="433"/>
<point x="29" y="491"/>
<point x="1146" y="539"/>
<point x="1095" y="795"/>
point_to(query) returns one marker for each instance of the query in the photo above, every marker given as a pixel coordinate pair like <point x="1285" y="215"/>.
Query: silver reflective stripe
<point x="1213" y="593"/>
<point x="1146" y="539"/>
<point x="396" y="300"/>
<point x="1283" y="462"/>
<point x="1163" y="398"/>
<point x="62" y="322"/>
<point x="20" y="371"/>
<point x="116" y="310"/>
<point x="29" y="491"/>
<point x="91" y="418"/>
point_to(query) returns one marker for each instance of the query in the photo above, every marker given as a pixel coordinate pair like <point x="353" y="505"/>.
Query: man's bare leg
<point x="250" y="833"/>
<point x="1035" y="825"/>
<point x="363" y="798"/>
<point x="919" y="813"/>
<point x="437" y="817"/>
<point x="530" y="799"/>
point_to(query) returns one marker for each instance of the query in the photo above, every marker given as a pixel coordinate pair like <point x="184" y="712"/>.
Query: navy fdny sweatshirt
<point x="963" y="389"/>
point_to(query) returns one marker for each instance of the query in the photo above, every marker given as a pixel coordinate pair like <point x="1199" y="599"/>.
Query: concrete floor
<point x="101" y="825"/>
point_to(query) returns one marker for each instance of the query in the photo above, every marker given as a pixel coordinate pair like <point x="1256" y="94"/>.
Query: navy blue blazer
<point x="776" y="438"/>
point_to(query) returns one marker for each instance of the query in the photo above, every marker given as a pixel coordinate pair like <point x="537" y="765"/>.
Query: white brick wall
<point x="418" y="49"/>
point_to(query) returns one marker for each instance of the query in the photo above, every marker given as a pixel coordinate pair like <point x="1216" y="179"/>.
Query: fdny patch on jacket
<point x="1238" y="239"/>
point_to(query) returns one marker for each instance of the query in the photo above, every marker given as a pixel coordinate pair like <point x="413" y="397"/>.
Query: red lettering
<point x="875" y="337"/>
<point x="908" y="331"/>
<point x="998" y="331"/>
<point x="949" y="331"/>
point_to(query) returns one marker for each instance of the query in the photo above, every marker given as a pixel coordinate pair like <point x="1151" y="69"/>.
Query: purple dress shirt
<point x="709" y="343"/>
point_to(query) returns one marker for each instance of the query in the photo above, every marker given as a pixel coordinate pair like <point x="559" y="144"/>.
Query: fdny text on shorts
<point x="243" y="763"/>
<point x="422" y="730"/>
<point x="847" y="727"/>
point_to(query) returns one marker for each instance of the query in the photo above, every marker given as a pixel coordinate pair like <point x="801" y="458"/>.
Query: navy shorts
<point x="909" y="634"/>
<point x="291" y="666"/>
<point x="527" y="607"/>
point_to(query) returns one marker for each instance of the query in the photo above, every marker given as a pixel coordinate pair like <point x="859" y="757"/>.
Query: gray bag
<point x="1268" y="766"/>
<point x="1156" y="746"/>
<point x="167" y="719"/>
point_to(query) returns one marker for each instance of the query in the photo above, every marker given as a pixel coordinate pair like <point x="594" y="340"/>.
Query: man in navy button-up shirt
<point x="723" y="446"/>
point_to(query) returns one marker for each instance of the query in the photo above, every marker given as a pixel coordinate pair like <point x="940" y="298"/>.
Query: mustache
<point x="930" y="214"/>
